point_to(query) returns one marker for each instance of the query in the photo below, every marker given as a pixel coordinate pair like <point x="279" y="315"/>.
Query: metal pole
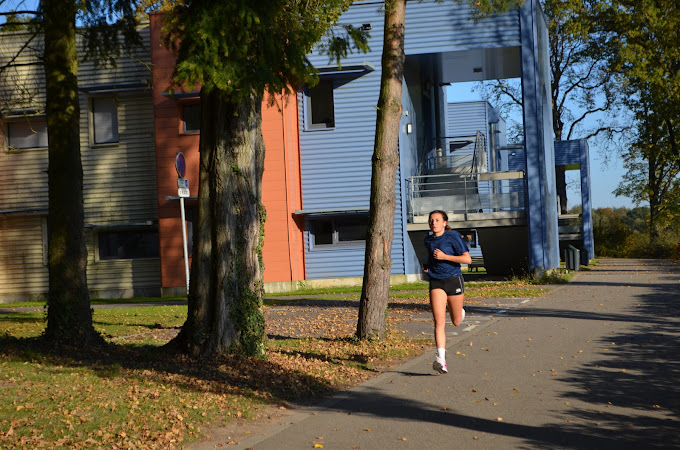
<point x="184" y="242"/>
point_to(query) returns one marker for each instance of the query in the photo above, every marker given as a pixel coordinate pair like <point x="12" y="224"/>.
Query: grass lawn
<point x="136" y="393"/>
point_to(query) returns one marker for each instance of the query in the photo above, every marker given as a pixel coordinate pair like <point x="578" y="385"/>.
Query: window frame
<point x="339" y="224"/>
<point x="30" y="122"/>
<point x="131" y="229"/>
<point x="115" y="126"/>
<point x="308" y="106"/>
<point x="183" y="122"/>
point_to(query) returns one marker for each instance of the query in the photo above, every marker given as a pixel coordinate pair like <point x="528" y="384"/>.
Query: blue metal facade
<point x="538" y="140"/>
<point x="336" y="161"/>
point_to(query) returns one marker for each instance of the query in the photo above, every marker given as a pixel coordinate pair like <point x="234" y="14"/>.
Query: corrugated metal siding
<point x="448" y="26"/>
<point x="466" y="118"/>
<point x="336" y="164"/>
<point x="24" y="180"/>
<point x="408" y="153"/>
<point x="22" y="85"/>
<point x="23" y="273"/>
<point x="567" y="152"/>
<point x="119" y="180"/>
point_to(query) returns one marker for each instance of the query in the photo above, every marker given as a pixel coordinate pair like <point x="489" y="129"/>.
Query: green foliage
<point x="641" y="43"/>
<point x="623" y="233"/>
<point x="582" y="84"/>
<point x="244" y="45"/>
<point x="339" y="45"/>
<point x="483" y="8"/>
<point x="109" y="27"/>
<point x="18" y="22"/>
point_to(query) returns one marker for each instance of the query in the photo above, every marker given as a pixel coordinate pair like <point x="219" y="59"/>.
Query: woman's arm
<point x="460" y="259"/>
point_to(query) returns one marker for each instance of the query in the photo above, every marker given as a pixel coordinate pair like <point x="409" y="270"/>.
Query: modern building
<point x="444" y="44"/>
<point x="318" y="159"/>
<point x="119" y="173"/>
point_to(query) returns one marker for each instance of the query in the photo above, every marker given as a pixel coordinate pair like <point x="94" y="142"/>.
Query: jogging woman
<point x="446" y="252"/>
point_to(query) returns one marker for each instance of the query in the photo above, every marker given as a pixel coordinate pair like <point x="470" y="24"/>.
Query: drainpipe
<point x="493" y="130"/>
<point x="493" y="150"/>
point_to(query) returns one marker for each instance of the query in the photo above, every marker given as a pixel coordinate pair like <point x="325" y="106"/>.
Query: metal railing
<point x="465" y="155"/>
<point x="462" y="194"/>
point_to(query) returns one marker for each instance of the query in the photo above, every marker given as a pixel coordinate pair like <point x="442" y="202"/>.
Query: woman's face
<point x="437" y="224"/>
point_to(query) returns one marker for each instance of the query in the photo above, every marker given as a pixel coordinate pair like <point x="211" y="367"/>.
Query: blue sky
<point x="605" y="176"/>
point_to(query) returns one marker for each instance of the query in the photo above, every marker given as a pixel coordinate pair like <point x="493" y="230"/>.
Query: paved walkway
<point x="592" y="364"/>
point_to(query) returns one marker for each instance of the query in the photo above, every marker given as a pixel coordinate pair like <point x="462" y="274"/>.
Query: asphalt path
<point x="591" y="364"/>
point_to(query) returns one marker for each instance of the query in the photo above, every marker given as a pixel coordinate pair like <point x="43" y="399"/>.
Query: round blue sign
<point x="180" y="164"/>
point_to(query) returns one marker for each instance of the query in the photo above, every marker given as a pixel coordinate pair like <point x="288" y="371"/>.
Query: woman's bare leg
<point x="456" y="308"/>
<point x="438" y="302"/>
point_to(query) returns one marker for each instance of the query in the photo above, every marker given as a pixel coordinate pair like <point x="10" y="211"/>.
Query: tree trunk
<point x="561" y="185"/>
<point x="69" y="317"/>
<point x="226" y="290"/>
<point x="378" y="260"/>
<point x="654" y="192"/>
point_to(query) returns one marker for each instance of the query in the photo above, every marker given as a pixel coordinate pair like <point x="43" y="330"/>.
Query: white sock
<point x="441" y="353"/>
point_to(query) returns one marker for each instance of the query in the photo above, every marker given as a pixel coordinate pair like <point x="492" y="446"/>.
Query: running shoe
<point x="439" y="365"/>
<point x="461" y="320"/>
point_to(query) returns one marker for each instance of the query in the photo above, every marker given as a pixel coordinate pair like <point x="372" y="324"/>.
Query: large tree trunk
<point x="226" y="290"/>
<point x="69" y="317"/>
<point x="378" y="260"/>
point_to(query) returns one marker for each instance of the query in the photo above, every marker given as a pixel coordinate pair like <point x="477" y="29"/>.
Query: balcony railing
<point x="463" y="194"/>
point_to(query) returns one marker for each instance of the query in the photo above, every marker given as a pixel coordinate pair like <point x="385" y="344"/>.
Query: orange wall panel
<point x="283" y="250"/>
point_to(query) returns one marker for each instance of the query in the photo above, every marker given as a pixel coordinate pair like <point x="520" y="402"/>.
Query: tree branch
<point x="14" y="58"/>
<point x="14" y="13"/>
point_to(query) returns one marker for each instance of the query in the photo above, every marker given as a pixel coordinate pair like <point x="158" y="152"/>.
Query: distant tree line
<point x="624" y="233"/>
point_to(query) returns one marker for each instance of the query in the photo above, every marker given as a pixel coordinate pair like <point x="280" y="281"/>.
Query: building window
<point x="339" y="231"/>
<point x="320" y="111"/>
<point x="469" y="237"/>
<point x="191" y="118"/>
<point x="104" y="120"/>
<point x="128" y="244"/>
<point x="28" y="133"/>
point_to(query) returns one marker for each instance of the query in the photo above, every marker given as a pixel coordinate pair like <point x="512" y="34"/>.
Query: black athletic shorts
<point x="452" y="285"/>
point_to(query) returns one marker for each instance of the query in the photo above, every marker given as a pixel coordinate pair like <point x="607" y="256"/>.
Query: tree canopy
<point x="641" y="42"/>
<point x="241" y="45"/>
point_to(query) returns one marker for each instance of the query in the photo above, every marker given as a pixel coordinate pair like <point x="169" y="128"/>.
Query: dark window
<point x="128" y="244"/>
<point x="339" y="230"/>
<point x="323" y="232"/>
<point x="191" y="118"/>
<point x="320" y="108"/>
<point x="29" y="133"/>
<point x="104" y="120"/>
<point x="351" y="229"/>
<point x="470" y="238"/>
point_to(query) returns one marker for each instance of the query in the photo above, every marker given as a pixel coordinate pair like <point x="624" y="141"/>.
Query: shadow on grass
<point x="225" y="374"/>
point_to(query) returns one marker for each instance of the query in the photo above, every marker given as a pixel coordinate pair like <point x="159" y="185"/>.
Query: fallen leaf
<point x="500" y="419"/>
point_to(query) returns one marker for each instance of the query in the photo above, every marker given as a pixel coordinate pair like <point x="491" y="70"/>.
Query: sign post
<point x="182" y="193"/>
